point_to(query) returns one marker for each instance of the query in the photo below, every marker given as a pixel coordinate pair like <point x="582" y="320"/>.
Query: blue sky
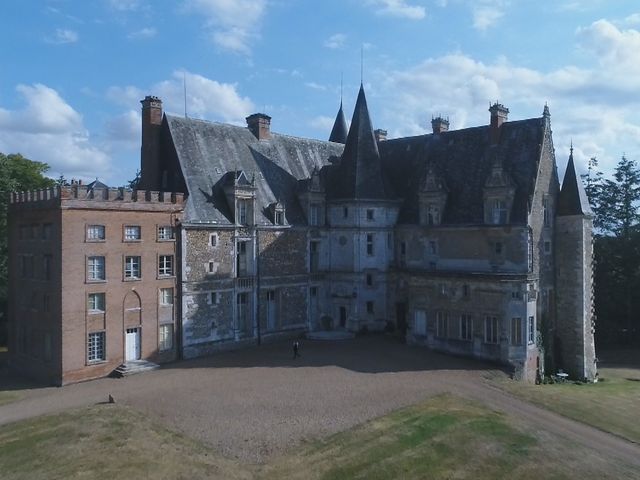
<point x="73" y="72"/>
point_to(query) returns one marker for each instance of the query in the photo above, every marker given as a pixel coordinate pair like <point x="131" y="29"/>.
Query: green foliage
<point x="17" y="173"/>
<point x="615" y="204"/>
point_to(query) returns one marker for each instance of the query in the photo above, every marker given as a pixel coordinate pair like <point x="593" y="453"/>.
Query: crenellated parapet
<point x="78" y="194"/>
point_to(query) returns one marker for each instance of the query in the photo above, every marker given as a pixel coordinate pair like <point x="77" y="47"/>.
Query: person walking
<point x="296" y="349"/>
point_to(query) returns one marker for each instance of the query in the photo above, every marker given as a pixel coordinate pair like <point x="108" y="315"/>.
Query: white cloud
<point x="62" y="36"/>
<point x="125" y="129"/>
<point x="233" y="24"/>
<point x="315" y="86"/>
<point x="49" y="130"/>
<point x="125" y="5"/>
<point x="633" y="19"/>
<point x="125" y="96"/>
<point x="487" y="13"/>
<point x="335" y="41"/>
<point x="398" y="8"/>
<point x="322" y="123"/>
<point x="143" y="33"/>
<point x="596" y="107"/>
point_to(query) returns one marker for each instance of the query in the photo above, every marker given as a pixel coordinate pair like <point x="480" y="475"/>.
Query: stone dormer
<point x="432" y="198"/>
<point x="240" y="193"/>
<point x="311" y="195"/>
<point x="277" y="213"/>
<point x="499" y="192"/>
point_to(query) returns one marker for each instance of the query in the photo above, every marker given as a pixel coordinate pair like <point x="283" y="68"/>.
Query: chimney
<point x="499" y="115"/>
<point x="260" y="125"/>
<point x="440" y="124"/>
<point x="380" y="134"/>
<point x="150" y="150"/>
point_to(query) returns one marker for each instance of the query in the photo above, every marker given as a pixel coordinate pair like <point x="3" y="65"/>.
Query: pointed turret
<point x="361" y="169"/>
<point x="573" y="199"/>
<point x="339" y="130"/>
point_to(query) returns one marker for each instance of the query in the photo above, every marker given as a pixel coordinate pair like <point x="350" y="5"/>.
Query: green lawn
<point x="444" y="438"/>
<point x="612" y="404"/>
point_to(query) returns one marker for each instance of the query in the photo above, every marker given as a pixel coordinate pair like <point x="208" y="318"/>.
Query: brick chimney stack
<point x="499" y="114"/>
<point x="380" y="134"/>
<point x="260" y="125"/>
<point x="440" y="124"/>
<point x="150" y="150"/>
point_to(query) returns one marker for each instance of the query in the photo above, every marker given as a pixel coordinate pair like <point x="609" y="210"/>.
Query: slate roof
<point x="96" y="184"/>
<point x="339" y="130"/>
<point x="572" y="199"/>
<point x="359" y="175"/>
<point x="463" y="159"/>
<point x="206" y="151"/>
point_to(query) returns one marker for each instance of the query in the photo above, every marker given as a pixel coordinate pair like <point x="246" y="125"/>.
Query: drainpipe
<point x="258" y="286"/>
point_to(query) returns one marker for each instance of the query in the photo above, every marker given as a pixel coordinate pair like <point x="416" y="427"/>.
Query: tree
<point x="17" y="173"/>
<point x="615" y="203"/>
<point x="135" y="182"/>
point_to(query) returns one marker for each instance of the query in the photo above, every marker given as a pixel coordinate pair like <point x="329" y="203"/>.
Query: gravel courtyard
<point x="258" y="402"/>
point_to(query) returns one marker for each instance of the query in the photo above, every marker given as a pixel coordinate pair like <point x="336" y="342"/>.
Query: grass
<point x="610" y="405"/>
<point x="443" y="438"/>
<point x="9" y="396"/>
<point x="105" y="441"/>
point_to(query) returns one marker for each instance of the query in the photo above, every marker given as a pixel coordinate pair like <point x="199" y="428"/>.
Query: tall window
<point x="314" y="214"/>
<point x="442" y="324"/>
<point x="165" y="232"/>
<point x="132" y="233"/>
<point x="314" y="256"/>
<point x="279" y="217"/>
<point x="46" y="266"/>
<point x="532" y="330"/>
<point x="95" y="268"/>
<point x="370" y="213"/>
<point x="132" y="268"/>
<point x="499" y="212"/>
<point x="165" y="341"/>
<point x="433" y="247"/>
<point x="370" y="244"/>
<point x="95" y="347"/>
<point x="165" y="265"/>
<point x="166" y="296"/>
<point x="433" y="214"/>
<point x="46" y="231"/>
<point x="96" y="302"/>
<point x="466" y="327"/>
<point x="370" y="308"/>
<point x="242" y="214"/>
<point x="241" y="258"/>
<point x="546" y="216"/>
<point x="491" y="329"/>
<point x="516" y="331"/>
<point x="420" y="322"/>
<point x="95" y="233"/>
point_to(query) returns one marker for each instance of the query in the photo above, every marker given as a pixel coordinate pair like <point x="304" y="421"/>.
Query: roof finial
<point x="184" y="86"/>
<point x="341" y="85"/>
<point x="571" y="148"/>
<point x="361" y="64"/>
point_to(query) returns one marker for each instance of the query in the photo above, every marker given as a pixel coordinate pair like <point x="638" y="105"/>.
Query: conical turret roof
<point x="361" y="169"/>
<point x="339" y="130"/>
<point x="573" y="199"/>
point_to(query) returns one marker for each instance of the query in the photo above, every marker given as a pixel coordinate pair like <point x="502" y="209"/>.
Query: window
<point x="443" y="289"/>
<point x="546" y="216"/>
<point x="532" y="330"/>
<point x="132" y="267"/>
<point x="211" y="268"/>
<point x="314" y="256"/>
<point x="442" y="324"/>
<point x="132" y="233"/>
<point x="95" y="269"/>
<point x="370" y="214"/>
<point x="46" y="231"/>
<point x="165" y="265"/>
<point x="95" y="347"/>
<point x="498" y="248"/>
<point x="213" y="239"/>
<point x="214" y="298"/>
<point x="242" y="217"/>
<point x="491" y="329"/>
<point x="369" y="279"/>
<point x="95" y="233"/>
<point x="279" y="217"/>
<point x="166" y="232"/>
<point x="313" y="214"/>
<point x="370" y="244"/>
<point x="466" y="291"/>
<point x="313" y="291"/>
<point x="433" y="247"/>
<point x="96" y="302"/>
<point x="46" y="266"/>
<point x="420" y="322"/>
<point x="499" y="212"/>
<point x="345" y="212"/>
<point x="433" y="214"/>
<point x="166" y="296"/>
<point x="466" y="327"/>
<point x="547" y="247"/>
<point x="370" y="308"/>
<point x="516" y="294"/>
<point x="516" y="331"/>
<point x="241" y="259"/>
<point x="165" y="342"/>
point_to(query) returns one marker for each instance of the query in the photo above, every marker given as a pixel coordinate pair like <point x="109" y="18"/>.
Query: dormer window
<point x="276" y="211"/>
<point x="242" y="212"/>
<point x="433" y="214"/>
<point x="499" y="212"/>
<point x="314" y="214"/>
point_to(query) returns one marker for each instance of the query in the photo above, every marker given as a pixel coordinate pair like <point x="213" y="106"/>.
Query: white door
<point x="132" y="344"/>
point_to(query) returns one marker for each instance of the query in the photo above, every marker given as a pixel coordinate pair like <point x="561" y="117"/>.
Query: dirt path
<point x="255" y="403"/>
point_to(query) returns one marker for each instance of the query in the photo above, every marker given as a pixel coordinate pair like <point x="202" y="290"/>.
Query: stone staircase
<point x="134" y="366"/>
